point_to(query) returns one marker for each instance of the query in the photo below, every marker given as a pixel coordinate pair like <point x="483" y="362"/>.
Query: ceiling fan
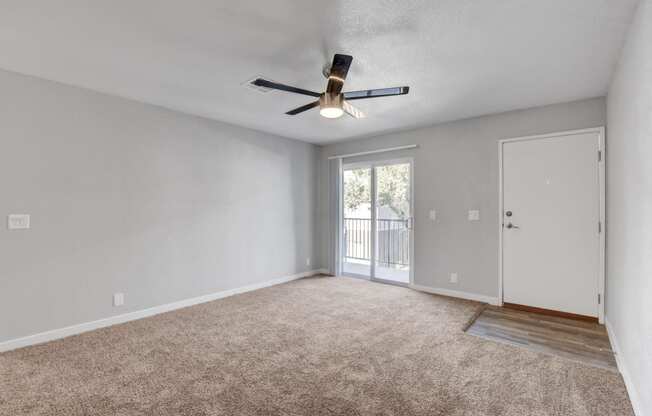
<point x="333" y="103"/>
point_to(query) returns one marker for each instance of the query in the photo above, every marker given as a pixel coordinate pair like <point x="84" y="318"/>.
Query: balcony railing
<point x="392" y="240"/>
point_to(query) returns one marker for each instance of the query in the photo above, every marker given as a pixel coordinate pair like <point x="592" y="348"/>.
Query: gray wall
<point x="456" y="169"/>
<point x="629" y="207"/>
<point x="127" y="197"/>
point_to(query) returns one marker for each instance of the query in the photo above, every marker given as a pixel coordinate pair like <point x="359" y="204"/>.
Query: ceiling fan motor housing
<point x="331" y="100"/>
<point x="330" y="105"/>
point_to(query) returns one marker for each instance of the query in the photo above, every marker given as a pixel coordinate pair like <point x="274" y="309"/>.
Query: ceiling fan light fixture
<point x="331" y="112"/>
<point x="330" y="105"/>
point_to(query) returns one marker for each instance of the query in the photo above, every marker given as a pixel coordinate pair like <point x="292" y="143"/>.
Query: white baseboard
<point x="144" y="313"/>
<point x="455" y="294"/>
<point x="622" y="367"/>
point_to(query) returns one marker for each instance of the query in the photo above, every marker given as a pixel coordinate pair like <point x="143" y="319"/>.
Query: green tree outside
<point x="393" y="182"/>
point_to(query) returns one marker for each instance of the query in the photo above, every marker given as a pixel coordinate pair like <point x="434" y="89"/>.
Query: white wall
<point x="629" y="209"/>
<point x="456" y="169"/>
<point x="127" y="197"/>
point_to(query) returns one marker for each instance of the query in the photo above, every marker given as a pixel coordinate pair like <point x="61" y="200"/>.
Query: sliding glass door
<point x="356" y="221"/>
<point x="377" y="221"/>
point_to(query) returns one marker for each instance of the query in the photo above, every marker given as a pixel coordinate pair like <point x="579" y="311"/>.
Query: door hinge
<point x="599" y="155"/>
<point x="599" y="226"/>
<point x="599" y="298"/>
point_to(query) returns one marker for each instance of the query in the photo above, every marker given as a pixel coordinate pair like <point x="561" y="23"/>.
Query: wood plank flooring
<point x="586" y="342"/>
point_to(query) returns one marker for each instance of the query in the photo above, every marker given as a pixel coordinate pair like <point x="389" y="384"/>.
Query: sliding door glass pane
<point x="357" y="222"/>
<point x="393" y="216"/>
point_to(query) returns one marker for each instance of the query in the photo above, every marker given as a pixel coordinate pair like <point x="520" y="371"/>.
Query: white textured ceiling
<point x="461" y="58"/>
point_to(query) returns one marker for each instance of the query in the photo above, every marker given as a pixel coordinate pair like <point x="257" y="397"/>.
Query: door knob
<point x="510" y="225"/>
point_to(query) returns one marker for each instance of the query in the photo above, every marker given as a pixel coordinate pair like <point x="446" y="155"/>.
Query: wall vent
<point x="249" y="84"/>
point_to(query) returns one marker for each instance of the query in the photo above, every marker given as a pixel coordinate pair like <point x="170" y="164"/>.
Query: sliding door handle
<point x="409" y="223"/>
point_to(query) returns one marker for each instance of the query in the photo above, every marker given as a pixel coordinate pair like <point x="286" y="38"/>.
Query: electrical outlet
<point x="118" y="299"/>
<point x="474" y="215"/>
<point x="308" y="261"/>
<point x="432" y="215"/>
<point x="453" y="278"/>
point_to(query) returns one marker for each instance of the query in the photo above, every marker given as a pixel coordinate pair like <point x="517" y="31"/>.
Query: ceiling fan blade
<point x="276" y="86"/>
<point x="352" y="111"/>
<point x="303" y="108"/>
<point x="339" y="69"/>
<point x="381" y="92"/>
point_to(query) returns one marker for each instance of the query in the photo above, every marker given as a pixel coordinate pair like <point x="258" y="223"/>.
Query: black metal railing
<point x="392" y="240"/>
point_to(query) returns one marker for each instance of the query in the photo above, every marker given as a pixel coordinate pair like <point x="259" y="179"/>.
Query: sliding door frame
<point x="372" y="165"/>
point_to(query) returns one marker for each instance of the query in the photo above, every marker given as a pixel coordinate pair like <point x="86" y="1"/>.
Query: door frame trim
<point x="372" y="164"/>
<point x="601" y="178"/>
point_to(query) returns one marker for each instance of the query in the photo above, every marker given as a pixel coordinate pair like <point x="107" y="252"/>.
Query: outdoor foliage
<point x="393" y="188"/>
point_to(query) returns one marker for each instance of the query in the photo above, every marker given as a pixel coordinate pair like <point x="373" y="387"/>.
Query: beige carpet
<point x="318" y="346"/>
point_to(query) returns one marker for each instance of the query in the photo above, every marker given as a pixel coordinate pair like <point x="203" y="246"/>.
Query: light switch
<point x="18" y="221"/>
<point x="433" y="215"/>
<point x="474" y="215"/>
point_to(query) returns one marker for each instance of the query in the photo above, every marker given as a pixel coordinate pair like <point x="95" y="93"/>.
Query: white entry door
<point x="551" y="224"/>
